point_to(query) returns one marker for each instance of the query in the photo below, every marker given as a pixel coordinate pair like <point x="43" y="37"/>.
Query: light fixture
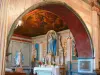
<point x="19" y="23"/>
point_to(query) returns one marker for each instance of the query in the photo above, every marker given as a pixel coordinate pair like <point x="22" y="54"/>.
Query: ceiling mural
<point x="39" y="22"/>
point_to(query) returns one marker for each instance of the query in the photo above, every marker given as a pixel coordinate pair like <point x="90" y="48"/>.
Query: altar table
<point x="47" y="70"/>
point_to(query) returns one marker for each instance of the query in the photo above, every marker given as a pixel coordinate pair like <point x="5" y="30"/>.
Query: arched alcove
<point x="71" y="19"/>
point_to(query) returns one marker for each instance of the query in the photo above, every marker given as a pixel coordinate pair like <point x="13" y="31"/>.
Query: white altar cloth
<point x="54" y="70"/>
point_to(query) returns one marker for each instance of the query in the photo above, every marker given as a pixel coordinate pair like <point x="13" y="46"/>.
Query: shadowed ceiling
<point x="39" y="22"/>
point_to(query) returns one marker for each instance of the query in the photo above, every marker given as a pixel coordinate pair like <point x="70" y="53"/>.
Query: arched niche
<point x="72" y="19"/>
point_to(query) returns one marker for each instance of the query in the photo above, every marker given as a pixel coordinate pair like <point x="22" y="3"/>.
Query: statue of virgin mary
<point x="19" y="58"/>
<point x="52" y="42"/>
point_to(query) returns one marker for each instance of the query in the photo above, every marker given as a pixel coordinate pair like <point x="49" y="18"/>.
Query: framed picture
<point x="85" y="65"/>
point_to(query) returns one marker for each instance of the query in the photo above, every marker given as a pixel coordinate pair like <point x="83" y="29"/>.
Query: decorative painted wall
<point x="42" y="40"/>
<point x="77" y="27"/>
<point x="38" y="22"/>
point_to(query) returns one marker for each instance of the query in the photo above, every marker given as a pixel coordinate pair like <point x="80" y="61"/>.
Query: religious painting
<point x="85" y="65"/>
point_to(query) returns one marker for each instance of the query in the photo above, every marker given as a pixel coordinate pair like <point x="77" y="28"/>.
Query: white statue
<point x="19" y="58"/>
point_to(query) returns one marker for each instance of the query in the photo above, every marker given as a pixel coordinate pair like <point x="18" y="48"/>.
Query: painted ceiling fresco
<point x="39" y="22"/>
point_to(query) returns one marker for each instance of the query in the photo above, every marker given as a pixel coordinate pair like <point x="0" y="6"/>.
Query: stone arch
<point x="72" y="19"/>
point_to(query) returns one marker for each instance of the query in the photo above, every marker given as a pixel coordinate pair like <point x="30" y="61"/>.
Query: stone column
<point x="3" y="34"/>
<point x="95" y="35"/>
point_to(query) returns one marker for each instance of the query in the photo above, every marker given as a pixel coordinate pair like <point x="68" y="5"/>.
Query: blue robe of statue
<point x="52" y="46"/>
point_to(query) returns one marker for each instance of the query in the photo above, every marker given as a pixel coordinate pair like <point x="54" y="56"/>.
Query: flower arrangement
<point x="40" y="63"/>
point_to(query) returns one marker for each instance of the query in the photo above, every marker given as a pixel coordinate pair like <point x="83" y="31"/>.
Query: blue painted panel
<point x="38" y="50"/>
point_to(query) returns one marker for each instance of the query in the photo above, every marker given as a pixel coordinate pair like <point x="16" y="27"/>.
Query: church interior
<point x="50" y="37"/>
<point x="32" y="37"/>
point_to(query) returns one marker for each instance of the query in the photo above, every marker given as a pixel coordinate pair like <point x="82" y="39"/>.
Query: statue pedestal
<point x="19" y="69"/>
